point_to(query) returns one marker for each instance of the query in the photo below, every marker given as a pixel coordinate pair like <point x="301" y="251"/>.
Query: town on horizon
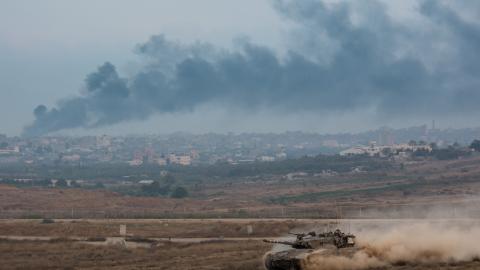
<point x="186" y="149"/>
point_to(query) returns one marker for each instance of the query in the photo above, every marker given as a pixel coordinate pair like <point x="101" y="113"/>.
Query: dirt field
<point x="430" y="190"/>
<point x="223" y="255"/>
<point x="61" y="253"/>
<point x="150" y="228"/>
<point x="71" y="255"/>
<point x="65" y="251"/>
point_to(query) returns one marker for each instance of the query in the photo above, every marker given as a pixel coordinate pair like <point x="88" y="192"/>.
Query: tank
<point x="305" y="244"/>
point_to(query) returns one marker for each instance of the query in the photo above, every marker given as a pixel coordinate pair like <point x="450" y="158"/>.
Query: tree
<point x="412" y="143"/>
<point x="151" y="189"/>
<point x="99" y="185"/>
<point x="421" y="152"/>
<point x="387" y="152"/>
<point x="155" y="189"/>
<point x="75" y="184"/>
<point x="475" y="145"/>
<point x="61" y="183"/>
<point x="179" y="192"/>
<point x="44" y="182"/>
<point x="169" y="179"/>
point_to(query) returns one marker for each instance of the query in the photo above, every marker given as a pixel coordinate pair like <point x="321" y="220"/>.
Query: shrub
<point x="47" y="221"/>
<point x="179" y="192"/>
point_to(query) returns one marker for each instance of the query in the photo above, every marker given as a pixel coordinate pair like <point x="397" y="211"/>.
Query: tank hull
<point x="281" y="262"/>
<point x="295" y="259"/>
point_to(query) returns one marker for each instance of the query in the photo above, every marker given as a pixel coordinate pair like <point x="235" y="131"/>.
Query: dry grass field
<point x="65" y="251"/>
<point x="245" y="255"/>
<point x="419" y="183"/>
<point x="149" y="228"/>
<point x="448" y="188"/>
<point x="71" y="255"/>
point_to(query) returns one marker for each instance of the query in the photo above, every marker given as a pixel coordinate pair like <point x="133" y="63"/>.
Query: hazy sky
<point x="47" y="49"/>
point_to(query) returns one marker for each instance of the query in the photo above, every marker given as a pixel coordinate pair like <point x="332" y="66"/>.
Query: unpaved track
<point x="173" y="240"/>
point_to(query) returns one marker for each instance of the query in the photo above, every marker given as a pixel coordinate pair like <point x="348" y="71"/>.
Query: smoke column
<point x="347" y="56"/>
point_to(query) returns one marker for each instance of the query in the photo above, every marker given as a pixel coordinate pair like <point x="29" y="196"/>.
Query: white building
<point x="184" y="160"/>
<point x="146" y="182"/>
<point x="135" y="162"/>
<point x="266" y="158"/>
<point x="162" y="161"/>
<point x="10" y="150"/>
<point x="281" y="155"/>
<point x="71" y="158"/>
<point x="374" y="150"/>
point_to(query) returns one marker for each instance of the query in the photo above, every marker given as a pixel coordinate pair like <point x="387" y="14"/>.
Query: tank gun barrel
<point x="279" y="242"/>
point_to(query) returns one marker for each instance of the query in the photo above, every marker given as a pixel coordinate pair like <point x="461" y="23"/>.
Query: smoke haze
<point x="344" y="57"/>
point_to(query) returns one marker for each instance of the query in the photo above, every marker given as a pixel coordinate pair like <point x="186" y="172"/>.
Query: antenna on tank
<point x="337" y="214"/>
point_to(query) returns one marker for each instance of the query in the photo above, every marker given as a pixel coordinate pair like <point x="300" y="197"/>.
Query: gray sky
<point x="48" y="47"/>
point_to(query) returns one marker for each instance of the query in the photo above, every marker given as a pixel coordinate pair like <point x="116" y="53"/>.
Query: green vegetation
<point x="195" y="173"/>
<point x="179" y="192"/>
<point x="99" y="185"/>
<point x="61" y="183"/>
<point x="451" y="152"/>
<point x="475" y="145"/>
<point x="177" y="181"/>
<point x="155" y="189"/>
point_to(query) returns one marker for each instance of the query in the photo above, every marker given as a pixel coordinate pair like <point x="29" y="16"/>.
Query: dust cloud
<point x="359" y="260"/>
<point x="408" y="243"/>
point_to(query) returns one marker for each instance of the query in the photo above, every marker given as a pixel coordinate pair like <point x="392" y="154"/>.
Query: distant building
<point x="149" y="155"/>
<point x="245" y="161"/>
<point x="194" y="154"/>
<point x="330" y="143"/>
<point x="296" y="175"/>
<point x="10" y="150"/>
<point x="281" y="156"/>
<point x="103" y="141"/>
<point x="135" y="162"/>
<point x="71" y="158"/>
<point x="374" y="150"/>
<point x="161" y="161"/>
<point x="385" y="137"/>
<point x="326" y="173"/>
<point x="146" y="182"/>
<point x="184" y="160"/>
<point x="266" y="158"/>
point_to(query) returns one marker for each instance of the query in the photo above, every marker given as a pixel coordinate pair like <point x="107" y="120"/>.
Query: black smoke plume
<point x="347" y="56"/>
